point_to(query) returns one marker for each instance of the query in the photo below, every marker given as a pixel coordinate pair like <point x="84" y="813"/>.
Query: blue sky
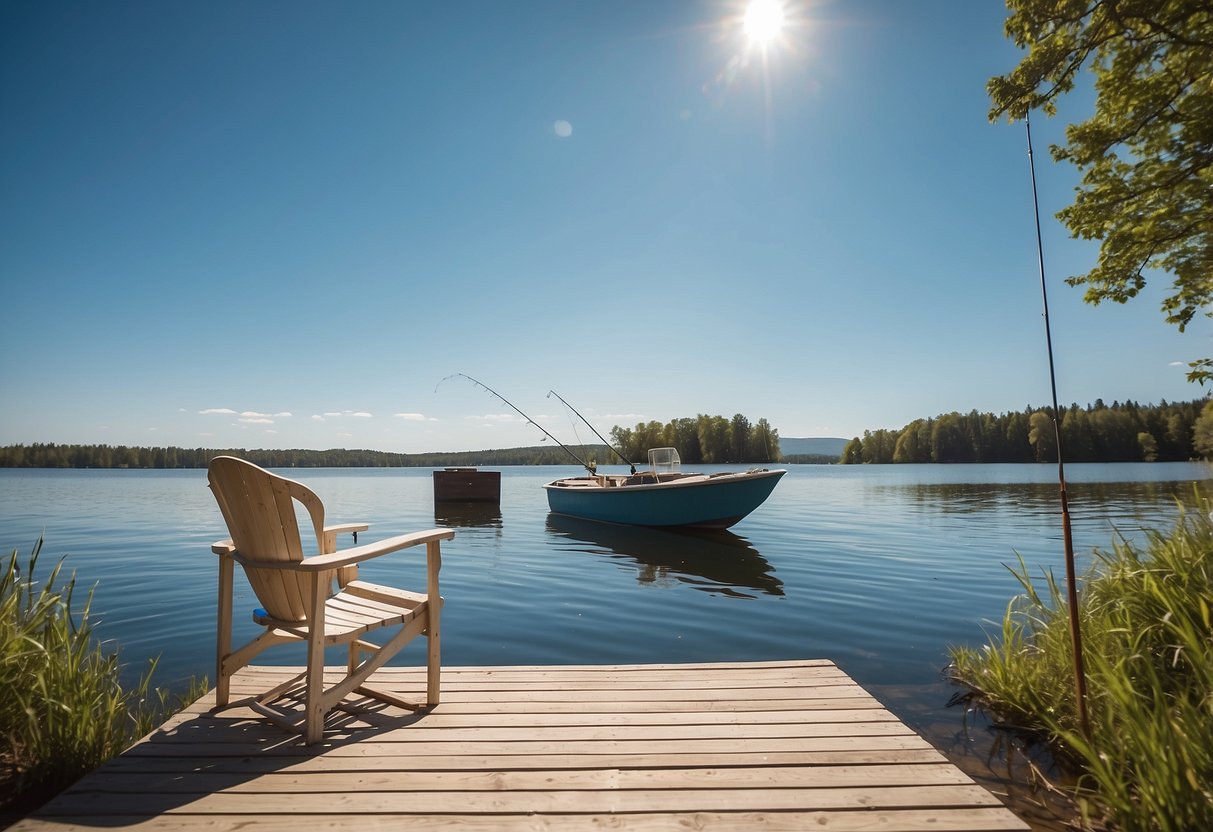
<point x="282" y="224"/>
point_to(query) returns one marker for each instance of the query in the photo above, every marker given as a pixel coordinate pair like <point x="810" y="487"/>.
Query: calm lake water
<point x="879" y="568"/>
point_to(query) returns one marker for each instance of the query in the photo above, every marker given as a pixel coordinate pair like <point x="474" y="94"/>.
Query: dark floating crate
<point x="467" y="485"/>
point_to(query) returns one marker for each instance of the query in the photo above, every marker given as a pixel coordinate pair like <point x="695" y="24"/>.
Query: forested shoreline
<point x="50" y="455"/>
<point x="1120" y="432"/>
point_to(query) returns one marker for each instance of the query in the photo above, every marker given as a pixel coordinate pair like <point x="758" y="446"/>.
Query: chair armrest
<point x="357" y="554"/>
<point x="223" y="547"/>
<point x="353" y="528"/>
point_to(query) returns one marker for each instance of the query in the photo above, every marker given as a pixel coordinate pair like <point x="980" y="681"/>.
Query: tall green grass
<point x="1147" y="626"/>
<point x="63" y="710"/>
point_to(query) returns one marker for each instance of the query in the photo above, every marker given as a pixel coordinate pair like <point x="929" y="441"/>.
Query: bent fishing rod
<point x="627" y="461"/>
<point x="586" y="465"/>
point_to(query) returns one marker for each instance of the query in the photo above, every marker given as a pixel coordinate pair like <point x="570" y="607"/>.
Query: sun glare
<point x="763" y="21"/>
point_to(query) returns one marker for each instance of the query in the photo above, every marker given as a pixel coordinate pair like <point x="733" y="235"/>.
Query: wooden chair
<point x="299" y="600"/>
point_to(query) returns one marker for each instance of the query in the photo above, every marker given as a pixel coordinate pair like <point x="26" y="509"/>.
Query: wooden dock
<point x="770" y="745"/>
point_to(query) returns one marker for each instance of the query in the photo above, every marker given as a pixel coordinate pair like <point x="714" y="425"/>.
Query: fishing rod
<point x="1080" y="674"/>
<point x="586" y="465"/>
<point x="627" y="461"/>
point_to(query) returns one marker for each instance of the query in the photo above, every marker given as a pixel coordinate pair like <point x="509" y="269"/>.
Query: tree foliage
<point x="702" y="440"/>
<point x="706" y="439"/>
<point x="1202" y="437"/>
<point x="1099" y="433"/>
<point x="51" y="455"/>
<point x="1146" y="155"/>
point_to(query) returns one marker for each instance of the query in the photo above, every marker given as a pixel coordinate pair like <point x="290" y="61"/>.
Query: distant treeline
<point x="123" y="456"/>
<point x="701" y="440"/>
<point x="809" y="459"/>
<point x="1125" y="432"/>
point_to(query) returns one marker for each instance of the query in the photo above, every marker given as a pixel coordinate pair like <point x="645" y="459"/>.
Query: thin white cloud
<point x="414" y="417"/>
<point x="251" y="417"/>
<point x="1176" y="364"/>
<point x="493" y="417"/>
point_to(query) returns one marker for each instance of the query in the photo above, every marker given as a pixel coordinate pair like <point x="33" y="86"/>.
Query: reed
<point x="63" y="709"/>
<point x="1147" y="619"/>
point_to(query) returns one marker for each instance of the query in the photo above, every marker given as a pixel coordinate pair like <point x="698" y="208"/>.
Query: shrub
<point x="63" y="710"/>
<point x="1147" y="629"/>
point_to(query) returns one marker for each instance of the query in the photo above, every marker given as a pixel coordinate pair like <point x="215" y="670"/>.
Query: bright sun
<point x="763" y="21"/>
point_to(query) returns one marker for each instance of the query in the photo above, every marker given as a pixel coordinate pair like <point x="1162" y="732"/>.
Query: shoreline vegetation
<point x="1120" y="432"/>
<point x="1128" y="432"/>
<point x="1148" y="647"/>
<point x="63" y="710"/>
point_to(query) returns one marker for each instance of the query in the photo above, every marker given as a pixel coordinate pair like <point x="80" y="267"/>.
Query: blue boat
<point x="664" y="495"/>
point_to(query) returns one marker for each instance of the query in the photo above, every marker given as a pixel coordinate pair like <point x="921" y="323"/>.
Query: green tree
<point x="852" y="454"/>
<point x="1179" y="435"/>
<point x="1149" y="447"/>
<point x="1146" y="155"/>
<point x="714" y="438"/>
<point x="1202" y="432"/>
<point x="914" y="442"/>
<point x="1015" y="437"/>
<point x="684" y="435"/>
<point x="764" y="443"/>
<point x="878" y="446"/>
<point x="1043" y="437"/>
<point x="739" y="436"/>
<point x="949" y="442"/>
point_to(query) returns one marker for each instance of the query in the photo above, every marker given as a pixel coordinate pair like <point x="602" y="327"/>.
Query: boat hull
<point x="717" y="501"/>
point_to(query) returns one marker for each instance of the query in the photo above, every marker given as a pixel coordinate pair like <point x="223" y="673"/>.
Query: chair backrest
<point x="259" y="509"/>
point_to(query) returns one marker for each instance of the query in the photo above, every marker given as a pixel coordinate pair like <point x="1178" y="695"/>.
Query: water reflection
<point x="467" y="514"/>
<point x="1127" y="500"/>
<point x="712" y="560"/>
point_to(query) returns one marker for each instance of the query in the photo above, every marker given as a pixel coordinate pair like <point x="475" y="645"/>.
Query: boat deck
<point x="771" y="745"/>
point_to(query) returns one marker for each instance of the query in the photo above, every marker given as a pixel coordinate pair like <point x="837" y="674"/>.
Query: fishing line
<point x="596" y="433"/>
<point x="586" y="465"/>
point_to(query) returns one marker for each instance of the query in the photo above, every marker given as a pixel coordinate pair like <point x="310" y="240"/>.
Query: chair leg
<point x="433" y="652"/>
<point x="314" y="709"/>
<point x="223" y="632"/>
<point x="433" y="627"/>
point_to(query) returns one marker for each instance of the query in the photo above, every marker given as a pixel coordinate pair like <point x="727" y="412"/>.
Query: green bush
<point x="1148" y="648"/>
<point x="63" y="710"/>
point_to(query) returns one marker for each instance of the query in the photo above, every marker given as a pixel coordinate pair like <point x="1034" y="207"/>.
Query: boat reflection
<point x="712" y="560"/>
<point x="467" y="514"/>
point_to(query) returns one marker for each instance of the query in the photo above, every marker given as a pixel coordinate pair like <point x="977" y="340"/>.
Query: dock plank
<point x="781" y="745"/>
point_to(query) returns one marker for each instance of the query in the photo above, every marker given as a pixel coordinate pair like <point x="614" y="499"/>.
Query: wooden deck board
<point x="776" y="745"/>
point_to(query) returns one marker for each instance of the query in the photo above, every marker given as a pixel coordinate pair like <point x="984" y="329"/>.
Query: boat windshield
<point x="665" y="460"/>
